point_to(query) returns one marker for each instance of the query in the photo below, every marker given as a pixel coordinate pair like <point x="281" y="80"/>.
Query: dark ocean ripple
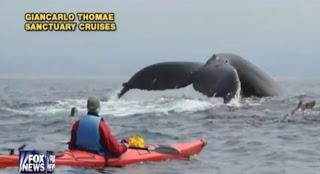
<point x="250" y="135"/>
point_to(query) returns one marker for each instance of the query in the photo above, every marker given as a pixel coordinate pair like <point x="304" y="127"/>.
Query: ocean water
<point x="249" y="135"/>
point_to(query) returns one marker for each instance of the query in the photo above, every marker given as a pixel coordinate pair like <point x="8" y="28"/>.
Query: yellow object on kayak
<point x="136" y="141"/>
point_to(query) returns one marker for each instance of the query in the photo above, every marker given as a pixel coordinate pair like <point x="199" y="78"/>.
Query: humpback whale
<point x="221" y="76"/>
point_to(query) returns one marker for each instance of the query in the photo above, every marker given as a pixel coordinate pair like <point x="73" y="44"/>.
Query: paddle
<point x="160" y="149"/>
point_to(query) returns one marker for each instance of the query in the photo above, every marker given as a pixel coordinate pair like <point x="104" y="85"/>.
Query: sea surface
<point x="248" y="135"/>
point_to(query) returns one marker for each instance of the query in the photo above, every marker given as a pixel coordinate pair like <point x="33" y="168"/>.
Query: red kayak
<point x="86" y="159"/>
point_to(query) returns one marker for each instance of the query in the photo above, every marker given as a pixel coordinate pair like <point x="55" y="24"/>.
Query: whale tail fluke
<point x="216" y="80"/>
<point x="162" y="76"/>
<point x="123" y="90"/>
<point x="220" y="76"/>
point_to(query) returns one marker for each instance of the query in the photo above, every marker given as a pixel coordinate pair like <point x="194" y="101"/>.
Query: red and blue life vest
<point x="88" y="136"/>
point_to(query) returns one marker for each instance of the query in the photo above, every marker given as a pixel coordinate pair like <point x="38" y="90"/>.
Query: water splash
<point x="236" y="100"/>
<point x="122" y="107"/>
<point x="133" y="103"/>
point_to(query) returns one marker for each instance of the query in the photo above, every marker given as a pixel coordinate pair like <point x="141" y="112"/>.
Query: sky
<point x="280" y="37"/>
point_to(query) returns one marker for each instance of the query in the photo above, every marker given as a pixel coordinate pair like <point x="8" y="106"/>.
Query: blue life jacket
<point x="88" y="135"/>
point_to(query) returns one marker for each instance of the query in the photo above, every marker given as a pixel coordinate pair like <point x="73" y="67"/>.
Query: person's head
<point x="310" y="104"/>
<point x="300" y="103"/>
<point x="74" y="111"/>
<point x="93" y="105"/>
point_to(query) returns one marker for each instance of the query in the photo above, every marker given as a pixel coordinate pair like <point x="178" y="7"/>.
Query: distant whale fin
<point x="161" y="76"/>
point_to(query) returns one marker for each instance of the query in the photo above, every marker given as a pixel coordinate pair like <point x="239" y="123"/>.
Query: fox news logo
<point x="36" y="161"/>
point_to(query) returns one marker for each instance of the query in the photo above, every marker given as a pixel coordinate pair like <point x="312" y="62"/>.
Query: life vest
<point x="88" y="136"/>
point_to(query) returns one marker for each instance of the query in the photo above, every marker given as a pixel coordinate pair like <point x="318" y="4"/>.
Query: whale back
<point x="254" y="82"/>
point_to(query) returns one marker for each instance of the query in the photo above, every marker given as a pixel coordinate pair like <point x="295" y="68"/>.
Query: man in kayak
<point x="303" y="106"/>
<point x="74" y="112"/>
<point x="91" y="133"/>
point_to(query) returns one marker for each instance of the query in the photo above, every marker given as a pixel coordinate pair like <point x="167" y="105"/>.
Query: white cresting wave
<point x="136" y="102"/>
<point x="122" y="107"/>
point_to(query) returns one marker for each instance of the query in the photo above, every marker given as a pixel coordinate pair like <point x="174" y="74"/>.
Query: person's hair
<point x="96" y="110"/>
<point x="74" y="111"/>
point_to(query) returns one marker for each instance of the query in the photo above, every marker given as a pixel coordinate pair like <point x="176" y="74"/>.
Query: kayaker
<point x="303" y="106"/>
<point x="91" y="133"/>
<point x="74" y="112"/>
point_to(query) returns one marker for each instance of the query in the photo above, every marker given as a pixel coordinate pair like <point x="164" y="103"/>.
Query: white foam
<point x="62" y="106"/>
<point x="236" y="100"/>
<point x="163" y="105"/>
<point x="138" y="102"/>
<point x="165" y="101"/>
